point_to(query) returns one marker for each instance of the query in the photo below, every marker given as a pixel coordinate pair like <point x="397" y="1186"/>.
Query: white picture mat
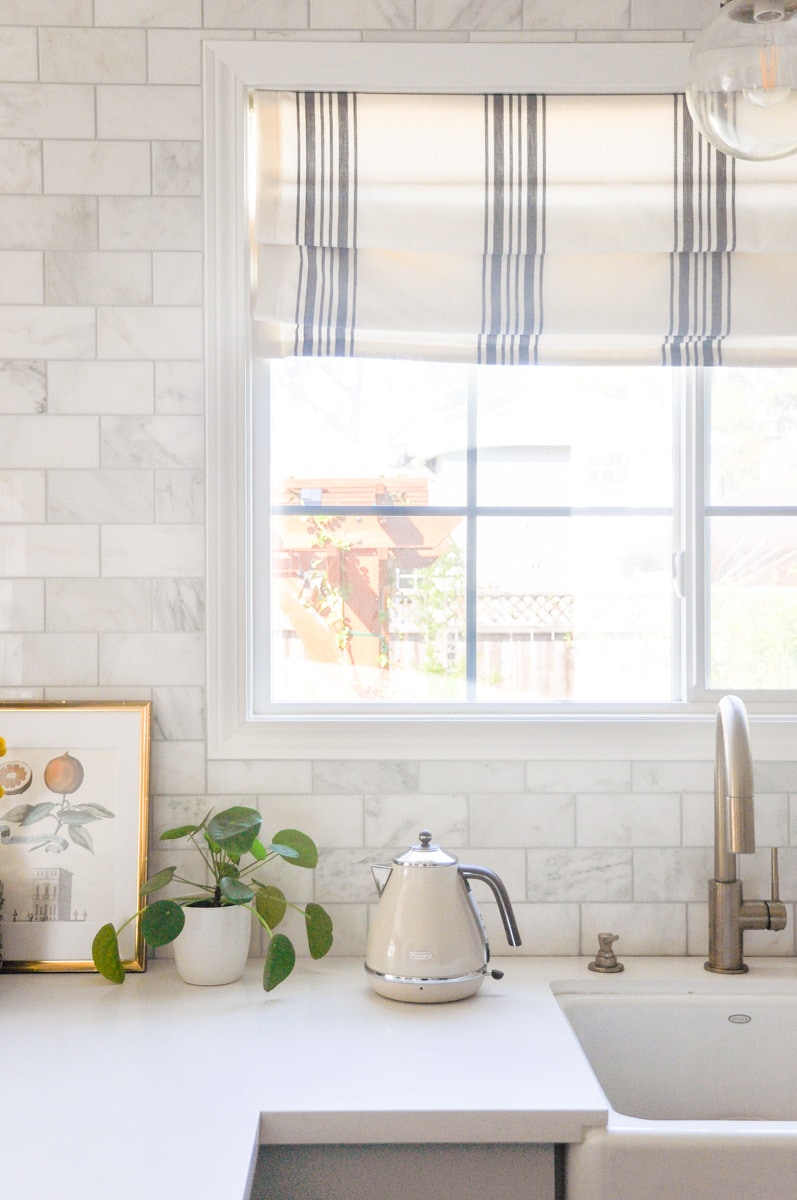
<point x="112" y="744"/>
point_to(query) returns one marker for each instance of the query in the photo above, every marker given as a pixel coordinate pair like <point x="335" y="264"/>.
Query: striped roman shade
<point x="516" y="229"/>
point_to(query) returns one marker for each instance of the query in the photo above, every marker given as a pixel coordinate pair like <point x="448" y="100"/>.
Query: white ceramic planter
<point x="214" y="945"/>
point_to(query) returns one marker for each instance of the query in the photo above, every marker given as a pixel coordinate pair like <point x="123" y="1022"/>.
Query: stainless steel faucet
<point x="734" y="833"/>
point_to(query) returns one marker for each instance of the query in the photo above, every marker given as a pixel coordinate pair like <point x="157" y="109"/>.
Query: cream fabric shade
<point x="516" y="229"/>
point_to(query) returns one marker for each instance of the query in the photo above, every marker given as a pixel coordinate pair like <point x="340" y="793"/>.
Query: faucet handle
<point x="775" y="906"/>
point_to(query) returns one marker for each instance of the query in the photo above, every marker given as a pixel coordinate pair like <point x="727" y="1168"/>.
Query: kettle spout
<point x="381" y="873"/>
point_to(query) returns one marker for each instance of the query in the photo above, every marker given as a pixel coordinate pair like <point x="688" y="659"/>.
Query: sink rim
<point x="705" y="993"/>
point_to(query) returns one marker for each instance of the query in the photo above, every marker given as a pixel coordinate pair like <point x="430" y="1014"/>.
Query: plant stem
<point x="204" y="887"/>
<point x="208" y="863"/>
<point x="265" y="924"/>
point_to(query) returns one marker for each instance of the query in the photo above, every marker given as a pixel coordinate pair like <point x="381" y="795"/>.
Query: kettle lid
<point x="425" y="854"/>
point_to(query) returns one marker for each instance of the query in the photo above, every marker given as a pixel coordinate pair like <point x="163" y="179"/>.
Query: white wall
<point x="101" y="478"/>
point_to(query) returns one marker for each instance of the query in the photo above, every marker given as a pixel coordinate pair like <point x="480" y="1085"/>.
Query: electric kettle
<point x="427" y="943"/>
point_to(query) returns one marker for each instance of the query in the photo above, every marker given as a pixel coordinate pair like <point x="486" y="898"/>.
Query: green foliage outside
<point x="439" y="606"/>
<point x="753" y="639"/>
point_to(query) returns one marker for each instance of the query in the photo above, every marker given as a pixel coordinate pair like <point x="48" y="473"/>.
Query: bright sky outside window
<point x="751" y="530"/>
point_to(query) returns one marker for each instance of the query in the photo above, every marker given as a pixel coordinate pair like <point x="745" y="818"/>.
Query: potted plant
<point x="233" y="853"/>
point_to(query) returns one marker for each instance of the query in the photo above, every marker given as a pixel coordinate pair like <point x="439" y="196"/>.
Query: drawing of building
<point x="52" y="894"/>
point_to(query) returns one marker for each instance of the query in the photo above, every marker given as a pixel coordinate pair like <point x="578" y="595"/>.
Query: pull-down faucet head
<point x="734" y="821"/>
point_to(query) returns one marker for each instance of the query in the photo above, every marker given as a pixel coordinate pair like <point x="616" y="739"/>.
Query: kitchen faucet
<point x="734" y="833"/>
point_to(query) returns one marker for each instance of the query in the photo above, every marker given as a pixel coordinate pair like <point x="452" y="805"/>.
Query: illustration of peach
<point x="63" y="774"/>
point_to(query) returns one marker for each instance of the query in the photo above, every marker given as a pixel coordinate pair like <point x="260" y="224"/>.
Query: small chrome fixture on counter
<point x="605" y="961"/>
<point x="734" y="833"/>
<point x="427" y="942"/>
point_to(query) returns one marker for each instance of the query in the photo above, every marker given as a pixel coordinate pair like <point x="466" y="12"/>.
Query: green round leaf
<point x="283" y="851"/>
<point x="185" y="830"/>
<point x="319" y="930"/>
<point x="171" y="835"/>
<point x="235" y="891"/>
<point x="270" y="904"/>
<point x="235" y="829"/>
<point x="161" y="922"/>
<point x="280" y="961"/>
<point x="304" y="849"/>
<point x="158" y="881"/>
<point x="105" y="952"/>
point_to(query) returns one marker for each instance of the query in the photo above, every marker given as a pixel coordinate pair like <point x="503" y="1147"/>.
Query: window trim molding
<point x="230" y="69"/>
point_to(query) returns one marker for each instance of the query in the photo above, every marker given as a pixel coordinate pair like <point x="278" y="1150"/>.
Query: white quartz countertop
<point x="107" y="1091"/>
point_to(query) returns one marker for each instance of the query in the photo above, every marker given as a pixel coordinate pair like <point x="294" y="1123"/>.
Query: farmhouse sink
<point x="691" y="1057"/>
<point x="702" y="1094"/>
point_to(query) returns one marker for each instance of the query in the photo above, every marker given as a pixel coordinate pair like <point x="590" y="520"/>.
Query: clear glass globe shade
<point x="742" y="79"/>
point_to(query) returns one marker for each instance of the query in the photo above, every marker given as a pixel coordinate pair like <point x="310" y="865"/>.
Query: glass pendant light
<point x="742" y="79"/>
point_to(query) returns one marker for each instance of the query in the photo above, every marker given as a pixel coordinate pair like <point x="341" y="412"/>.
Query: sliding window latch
<point x="679" y="574"/>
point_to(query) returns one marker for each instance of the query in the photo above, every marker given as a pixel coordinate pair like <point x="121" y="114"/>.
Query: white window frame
<point x="230" y="70"/>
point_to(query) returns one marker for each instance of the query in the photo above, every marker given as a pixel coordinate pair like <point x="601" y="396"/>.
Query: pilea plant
<point x="224" y="841"/>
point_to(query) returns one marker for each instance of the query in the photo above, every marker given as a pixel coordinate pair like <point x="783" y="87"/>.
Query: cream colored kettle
<point x="427" y="942"/>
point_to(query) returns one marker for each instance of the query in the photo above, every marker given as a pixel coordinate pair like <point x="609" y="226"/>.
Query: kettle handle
<point x="496" y="884"/>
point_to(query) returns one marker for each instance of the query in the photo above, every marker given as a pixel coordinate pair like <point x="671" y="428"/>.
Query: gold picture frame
<point x="73" y="830"/>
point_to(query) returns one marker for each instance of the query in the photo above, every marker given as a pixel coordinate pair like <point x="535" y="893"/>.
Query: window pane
<point x="364" y="432"/>
<point x="753" y="436"/>
<point x="753" y="602"/>
<point x="368" y="609"/>
<point x="574" y="608"/>
<point x="562" y="436"/>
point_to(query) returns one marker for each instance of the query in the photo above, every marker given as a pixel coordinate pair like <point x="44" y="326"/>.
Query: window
<point x="445" y="535"/>
<point x="481" y="534"/>
<point x="469" y="549"/>
<point x="747" y="537"/>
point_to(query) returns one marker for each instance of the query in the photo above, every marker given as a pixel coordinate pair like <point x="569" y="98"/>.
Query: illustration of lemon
<point x="15" y="777"/>
<point x="63" y="774"/>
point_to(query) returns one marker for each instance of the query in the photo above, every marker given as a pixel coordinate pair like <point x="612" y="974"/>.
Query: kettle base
<point x="424" y="991"/>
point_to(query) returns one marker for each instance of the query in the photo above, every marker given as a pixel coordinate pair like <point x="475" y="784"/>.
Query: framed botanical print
<point x="73" y="830"/>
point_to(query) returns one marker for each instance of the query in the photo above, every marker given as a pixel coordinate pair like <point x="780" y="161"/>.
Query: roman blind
<point x="516" y="229"/>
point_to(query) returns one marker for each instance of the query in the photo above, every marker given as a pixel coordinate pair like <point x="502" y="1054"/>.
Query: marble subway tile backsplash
<point x="148" y="13"/>
<point x="20" y="166"/>
<point x="107" y="168"/>
<point x="97" y="278"/>
<point x="469" y="15"/>
<point x="40" y="442"/>
<point x="18" y="55"/>
<point x="102" y="443"/>
<point x="93" y="55"/>
<point x="167" y="441"/>
<point x="156" y="111"/>
<point x="601" y="14"/>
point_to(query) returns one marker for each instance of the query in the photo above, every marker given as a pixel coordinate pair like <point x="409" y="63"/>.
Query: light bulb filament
<point x="769" y="61"/>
